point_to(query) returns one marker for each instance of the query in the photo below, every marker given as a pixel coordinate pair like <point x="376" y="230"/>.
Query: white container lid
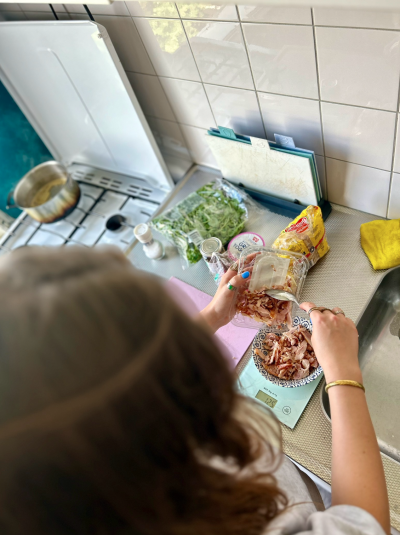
<point x="143" y="233"/>
<point x="67" y="79"/>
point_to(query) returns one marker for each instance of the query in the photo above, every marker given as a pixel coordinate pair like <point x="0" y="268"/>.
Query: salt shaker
<point x="152" y="248"/>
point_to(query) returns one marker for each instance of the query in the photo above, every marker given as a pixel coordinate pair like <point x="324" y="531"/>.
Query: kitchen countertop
<point x="344" y="277"/>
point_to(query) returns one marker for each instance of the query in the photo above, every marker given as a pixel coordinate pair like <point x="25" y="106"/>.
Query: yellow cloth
<point x="381" y="242"/>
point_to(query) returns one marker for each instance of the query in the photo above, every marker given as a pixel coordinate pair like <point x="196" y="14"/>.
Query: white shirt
<point x="304" y="519"/>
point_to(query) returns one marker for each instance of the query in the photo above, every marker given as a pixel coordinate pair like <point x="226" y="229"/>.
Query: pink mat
<point x="232" y="340"/>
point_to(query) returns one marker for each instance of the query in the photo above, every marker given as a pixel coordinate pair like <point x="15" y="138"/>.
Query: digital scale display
<point x="286" y="403"/>
<point x="265" y="398"/>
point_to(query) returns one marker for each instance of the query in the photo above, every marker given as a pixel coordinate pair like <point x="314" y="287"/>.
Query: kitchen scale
<point x="287" y="404"/>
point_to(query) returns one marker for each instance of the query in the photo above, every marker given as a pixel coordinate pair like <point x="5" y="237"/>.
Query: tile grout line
<point x="251" y="71"/>
<point x="316" y="154"/>
<point x="197" y="67"/>
<point x="319" y="103"/>
<point x="158" y="78"/>
<point x="396" y="122"/>
<point x="289" y="96"/>
<point x="355" y="163"/>
<point x="268" y="92"/>
<point x="221" y="20"/>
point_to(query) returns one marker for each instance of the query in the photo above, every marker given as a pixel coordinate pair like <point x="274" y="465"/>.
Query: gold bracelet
<point x="345" y="382"/>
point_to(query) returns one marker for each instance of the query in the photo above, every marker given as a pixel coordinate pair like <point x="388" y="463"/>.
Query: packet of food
<point x="305" y="235"/>
<point x="253" y="307"/>
<point x="217" y="209"/>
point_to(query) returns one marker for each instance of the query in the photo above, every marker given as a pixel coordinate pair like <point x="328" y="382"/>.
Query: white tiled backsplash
<point x="327" y="77"/>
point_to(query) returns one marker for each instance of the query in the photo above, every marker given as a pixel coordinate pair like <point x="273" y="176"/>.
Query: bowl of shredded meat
<point x="287" y="359"/>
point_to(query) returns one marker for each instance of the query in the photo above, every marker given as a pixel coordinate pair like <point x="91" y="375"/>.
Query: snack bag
<point x="305" y="235"/>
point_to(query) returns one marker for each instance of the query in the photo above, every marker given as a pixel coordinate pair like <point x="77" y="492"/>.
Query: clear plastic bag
<point x="270" y="269"/>
<point x="220" y="263"/>
<point x="217" y="209"/>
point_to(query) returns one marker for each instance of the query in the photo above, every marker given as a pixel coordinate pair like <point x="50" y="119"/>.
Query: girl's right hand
<point x="335" y="342"/>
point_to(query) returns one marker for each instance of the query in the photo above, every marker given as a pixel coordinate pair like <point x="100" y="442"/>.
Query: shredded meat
<point x="290" y="356"/>
<point x="259" y="306"/>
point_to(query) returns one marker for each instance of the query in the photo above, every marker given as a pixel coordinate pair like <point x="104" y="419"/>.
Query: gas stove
<point x="111" y="205"/>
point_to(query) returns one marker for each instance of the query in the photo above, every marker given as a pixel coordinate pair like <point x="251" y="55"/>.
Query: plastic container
<point x="209" y="249"/>
<point x="210" y="246"/>
<point x="243" y="241"/>
<point x="271" y="269"/>
<point x="152" y="248"/>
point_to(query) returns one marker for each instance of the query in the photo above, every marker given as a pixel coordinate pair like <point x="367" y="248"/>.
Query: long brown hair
<point x="118" y="414"/>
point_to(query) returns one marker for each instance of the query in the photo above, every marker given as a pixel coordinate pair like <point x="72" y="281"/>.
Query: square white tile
<point x="70" y="8"/>
<point x="169" y="136"/>
<point x="11" y="7"/>
<point x="172" y="145"/>
<point x="280" y="15"/>
<point x="152" y="9"/>
<point x="358" y="135"/>
<point x="394" y="198"/>
<point x="127" y="43"/>
<point x="321" y="174"/>
<point x="198" y="147"/>
<point x="168" y="48"/>
<point x="189" y="102"/>
<point x="283" y="59"/>
<point x="208" y="11"/>
<point x="357" y="18"/>
<point x="237" y="109"/>
<point x="35" y="7"/>
<point x="358" y="187"/>
<point x="116" y="8"/>
<point x="39" y="15"/>
<point x="7" y="16"/>
<point x="151" y="96"/>
<point x="220" y="53"/>
<point x="396" y="166"/>
<point x="298" y="118"/>
<point x="177" y="167"/>
<point x="360" y="67"/>
<point x="73" y="16"/>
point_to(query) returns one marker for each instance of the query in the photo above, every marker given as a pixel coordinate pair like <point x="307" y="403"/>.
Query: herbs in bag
<point x="218" y="209"/>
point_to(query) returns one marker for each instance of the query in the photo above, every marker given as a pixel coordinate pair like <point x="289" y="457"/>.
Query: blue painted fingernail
<point x="246" y="274"/>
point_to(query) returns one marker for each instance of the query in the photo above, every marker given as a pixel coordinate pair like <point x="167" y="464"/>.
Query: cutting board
<point x="257" y="167"/>
<point x="232" y="341"/>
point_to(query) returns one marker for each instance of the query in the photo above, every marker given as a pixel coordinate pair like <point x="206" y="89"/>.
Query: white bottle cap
<point x="143" y="233"/>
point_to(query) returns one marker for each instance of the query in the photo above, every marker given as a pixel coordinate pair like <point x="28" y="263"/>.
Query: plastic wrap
<point x="218" y="209"/>
<point x="305" y="235"/>
<point x="253" y="307"/>
<point x="219" y="265"/>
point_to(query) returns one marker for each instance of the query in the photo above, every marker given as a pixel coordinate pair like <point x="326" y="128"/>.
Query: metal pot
<point x="47" y="193"/>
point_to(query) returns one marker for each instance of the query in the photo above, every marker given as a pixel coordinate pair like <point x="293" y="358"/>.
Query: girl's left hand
<point x="220" y="311"/>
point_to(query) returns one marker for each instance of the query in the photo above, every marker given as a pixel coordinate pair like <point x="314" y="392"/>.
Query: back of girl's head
<point x="114" y="406"/>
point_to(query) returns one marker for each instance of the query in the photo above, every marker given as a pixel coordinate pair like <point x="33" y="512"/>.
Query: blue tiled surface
<point x="20" y="147"/>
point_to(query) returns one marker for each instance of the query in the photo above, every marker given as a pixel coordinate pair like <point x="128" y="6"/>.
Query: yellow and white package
<point x="305" y="235"/>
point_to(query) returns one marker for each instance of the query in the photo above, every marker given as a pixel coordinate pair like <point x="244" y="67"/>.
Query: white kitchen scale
<point x="287" y="404"/>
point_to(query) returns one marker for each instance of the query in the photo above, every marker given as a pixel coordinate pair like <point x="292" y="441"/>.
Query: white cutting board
<point x="258" y="167"/>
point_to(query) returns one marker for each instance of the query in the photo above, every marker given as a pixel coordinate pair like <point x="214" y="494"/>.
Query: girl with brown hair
<point x="118" y="414"/>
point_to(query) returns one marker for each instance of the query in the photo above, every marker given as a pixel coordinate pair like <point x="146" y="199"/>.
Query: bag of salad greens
<point x="217" y="209"/>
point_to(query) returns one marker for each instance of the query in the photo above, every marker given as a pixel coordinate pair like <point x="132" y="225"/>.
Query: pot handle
<point x="9" y="199"/>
